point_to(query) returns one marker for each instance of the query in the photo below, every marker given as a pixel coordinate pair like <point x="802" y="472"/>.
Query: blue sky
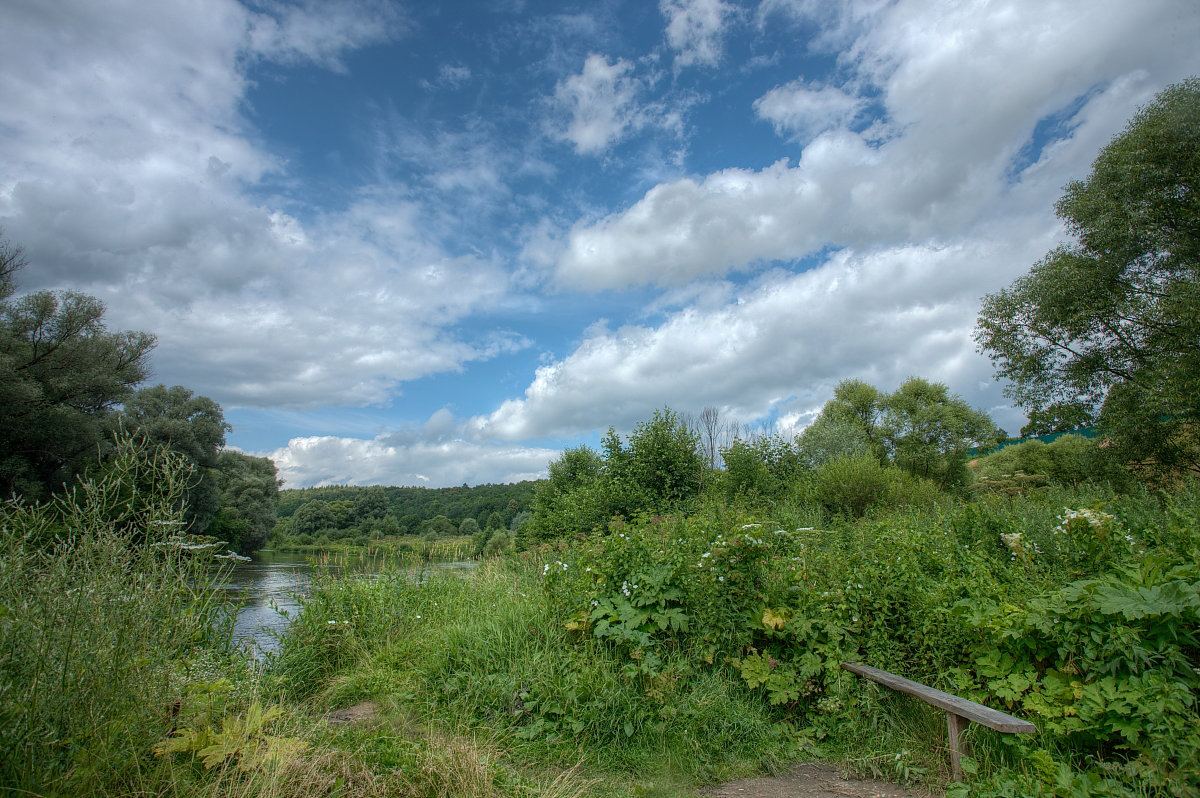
<point x="433" y="243"/>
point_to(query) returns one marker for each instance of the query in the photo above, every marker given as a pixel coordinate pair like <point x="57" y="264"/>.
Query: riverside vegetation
<point x="695" y="641"/>
<point x="672" y="614"/>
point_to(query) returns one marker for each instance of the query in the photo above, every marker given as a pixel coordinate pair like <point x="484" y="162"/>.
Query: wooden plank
<point x="955" y="725"/>
<point x="992" y="718"/>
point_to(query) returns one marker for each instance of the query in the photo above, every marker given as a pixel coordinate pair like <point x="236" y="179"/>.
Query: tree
<point x="249" y="491"/>
<point x="568" y="502"/>
<point x="921" y="428"/>
<point x="189" y="424"/>
<point x="312" y="517"/>
<point x="1058" y="417"/>
<point x="928" y="431"/>
<point x="856" y="405"/>
<point x="763" y="466"/>
<point x="830" y="437"/>
<point x="715" y="433"/>
<point x="1110" y="323"/>
<point x="661" y="467"/>
<point x="61" y="374"/>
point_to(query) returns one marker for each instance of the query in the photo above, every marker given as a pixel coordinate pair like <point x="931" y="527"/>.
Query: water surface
<point x="266" y="592"/>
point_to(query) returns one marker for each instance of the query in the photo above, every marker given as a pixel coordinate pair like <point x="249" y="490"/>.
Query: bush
<point x="1068" y="460"/>
<point x="850" y="485"/>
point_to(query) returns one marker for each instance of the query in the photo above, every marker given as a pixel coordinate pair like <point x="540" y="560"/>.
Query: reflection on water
<point x="266" y="593"/>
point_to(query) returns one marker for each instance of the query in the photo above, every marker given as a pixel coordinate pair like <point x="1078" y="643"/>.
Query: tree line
<point x="359" y="515"/>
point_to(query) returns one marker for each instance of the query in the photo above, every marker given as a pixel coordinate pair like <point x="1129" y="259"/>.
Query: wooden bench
<point x="959" y="711"/>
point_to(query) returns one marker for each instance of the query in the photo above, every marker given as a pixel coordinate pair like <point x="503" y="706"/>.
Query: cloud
<point x="695" y="29"/>
<point x="600" y="103"/>
<point x="450" y="76"/>
<point x="130" y="173"/>
<point x="322" y="32"/>
<point x="431" y="456"/>
<point x="801" y="110"/>
<point x="779" y="345"/>
<point x="937" y="162"/>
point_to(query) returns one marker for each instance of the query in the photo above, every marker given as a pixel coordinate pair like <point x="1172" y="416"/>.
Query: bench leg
<point x="955" y="724"/>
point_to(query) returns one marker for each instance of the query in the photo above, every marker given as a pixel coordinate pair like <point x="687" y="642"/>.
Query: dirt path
<point x="810" y="780"/>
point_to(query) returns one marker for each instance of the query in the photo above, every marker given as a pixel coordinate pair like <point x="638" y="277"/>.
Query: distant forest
<point x="340" y="512"/>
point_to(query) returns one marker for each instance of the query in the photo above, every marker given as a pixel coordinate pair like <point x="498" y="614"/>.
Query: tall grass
<point x="95" y="619"/>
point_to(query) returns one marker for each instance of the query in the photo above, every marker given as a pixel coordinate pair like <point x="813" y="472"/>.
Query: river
<point x="266" y="592"/>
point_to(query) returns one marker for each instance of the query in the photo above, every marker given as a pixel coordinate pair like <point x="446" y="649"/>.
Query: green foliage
<point x="569" y="502"/>
<point x="384" y="514"/>
<point x="240" y="741"/>
<point x="438" y="526"/>
<point x="765" y="466"/>
<point x="499" y="542"/>
<point x="831" y="436"/>
<point x="658" y="469"/>
<point x="928" y="431"/>
<point x="99" y="599"/>
<point x="249" y="489"/>
<point x="853" y="485"/>
<point x="1058" y="417"/>
<point x="920" y="428"/>
<point x="1068" y="460"/>
<point x="61" y="373"/>
<point x="311" y="518"/>
<point x="1108" y="324"/>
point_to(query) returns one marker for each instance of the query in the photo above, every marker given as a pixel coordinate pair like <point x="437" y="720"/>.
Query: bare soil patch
<point x="810" y="780"/>
<point x="365" y="710"/>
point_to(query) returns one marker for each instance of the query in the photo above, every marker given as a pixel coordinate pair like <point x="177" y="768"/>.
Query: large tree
<point x="61" y="374"/>
<point x="1110" y="323"/>
<point x="189" y="424"/>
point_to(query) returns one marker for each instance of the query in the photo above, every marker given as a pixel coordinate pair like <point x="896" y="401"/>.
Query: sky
<point x="434" y="243"/>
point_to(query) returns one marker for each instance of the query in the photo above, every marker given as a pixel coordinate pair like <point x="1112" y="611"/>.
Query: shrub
<point x="850" y="485"/>
<point x="1068" y="460"/>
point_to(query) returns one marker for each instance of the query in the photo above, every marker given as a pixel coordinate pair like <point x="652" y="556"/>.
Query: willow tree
<point x="1107" y="326"/>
